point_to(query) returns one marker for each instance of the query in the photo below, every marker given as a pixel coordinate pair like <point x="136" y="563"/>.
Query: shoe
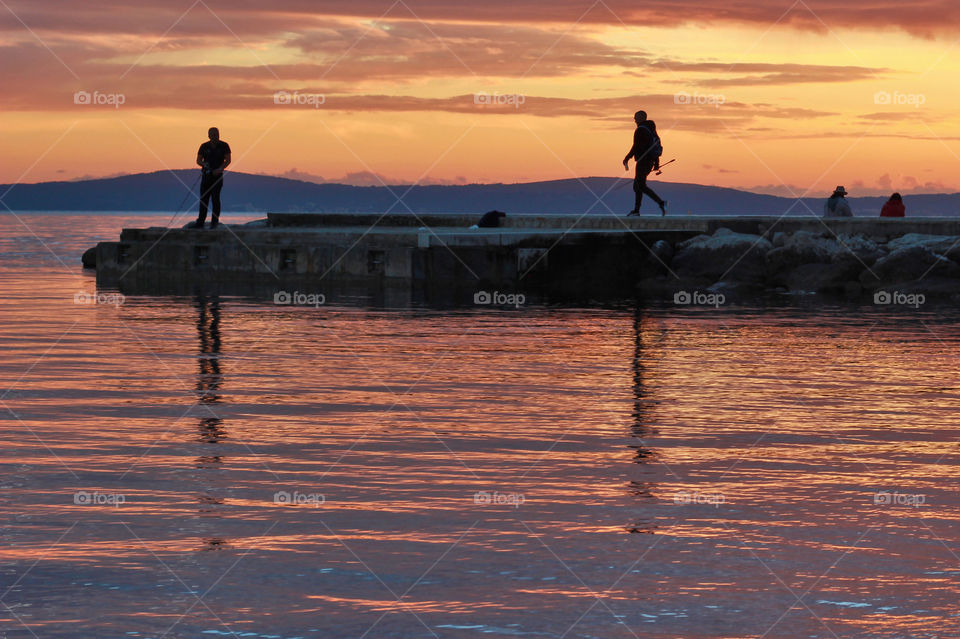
<point x="197" y="225"/>
<point x="214" y="225"/>
<point x="637" y="213"/>
<point x="663" y="208"/>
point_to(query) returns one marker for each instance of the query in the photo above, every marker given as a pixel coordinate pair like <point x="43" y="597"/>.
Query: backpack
<point x="656" y="147"/>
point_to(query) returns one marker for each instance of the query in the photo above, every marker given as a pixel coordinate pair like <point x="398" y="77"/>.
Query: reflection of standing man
<point x="646" y="151"/>
<point x="209" y="378"/>
<point x="208" y="329"/>
<point x="213" y="157"/>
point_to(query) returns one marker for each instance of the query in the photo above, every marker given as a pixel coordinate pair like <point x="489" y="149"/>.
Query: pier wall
<point x="595" y="254"/>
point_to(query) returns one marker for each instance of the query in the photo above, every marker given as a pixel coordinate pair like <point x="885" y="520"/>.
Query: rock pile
<point x="810" y="262"/>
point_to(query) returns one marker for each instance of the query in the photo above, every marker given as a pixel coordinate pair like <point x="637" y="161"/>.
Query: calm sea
<point x="190" y="467"/>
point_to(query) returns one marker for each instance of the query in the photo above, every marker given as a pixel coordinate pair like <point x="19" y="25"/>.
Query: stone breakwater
<point x="807" y="261"/>
<point x="541" y="256"/>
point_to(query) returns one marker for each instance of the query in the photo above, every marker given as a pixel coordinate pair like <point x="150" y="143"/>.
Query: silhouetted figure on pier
<point x="491" y="220"/>
<point x="213" y="157"/>
<point x="837" y="205"/>
<point x="894" y="207"/>
<point x="646" y="150"/>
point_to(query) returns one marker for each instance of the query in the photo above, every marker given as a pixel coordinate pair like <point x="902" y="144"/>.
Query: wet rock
<point x="783" y="261"/>
<point x="658" y="258"/>
<point x="939" y="244"/>
<point x="725" y="255"/>
<point x="822" y="277"/>
<point x="798" y="249"/>
<point x="862" y="249"/>
<point x="814" y="247"/>
<point x="849" y="254"/>
<point x="662" y="250"/>
<point x="945" y="245"/>
<point x="908" y="264"/>
<point x="89" y="258"/>
<point x="853" y="290"/>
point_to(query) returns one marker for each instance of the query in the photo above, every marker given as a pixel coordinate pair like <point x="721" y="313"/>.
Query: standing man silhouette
<point x="213" y="157"/>
<point x="646" y="151"/>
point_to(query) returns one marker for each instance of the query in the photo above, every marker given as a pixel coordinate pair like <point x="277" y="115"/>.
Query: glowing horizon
<point x="793" y="102"/>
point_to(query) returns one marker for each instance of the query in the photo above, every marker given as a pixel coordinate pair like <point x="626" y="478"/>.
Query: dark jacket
<point x="836" y="206"/>
<point x="642" y="150"/>
<point x="893" y="209"/>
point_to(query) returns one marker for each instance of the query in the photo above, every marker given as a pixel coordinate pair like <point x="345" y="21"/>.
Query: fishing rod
<point x="177" y="213"/>
<point x="660" y="170"/>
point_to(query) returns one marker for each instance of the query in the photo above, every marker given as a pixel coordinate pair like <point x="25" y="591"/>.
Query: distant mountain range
<point x="244" y="192"/>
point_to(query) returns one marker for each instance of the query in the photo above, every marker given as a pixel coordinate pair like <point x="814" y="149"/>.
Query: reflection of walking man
<point x="213" y="157"/>
<point x="646" y="151"/>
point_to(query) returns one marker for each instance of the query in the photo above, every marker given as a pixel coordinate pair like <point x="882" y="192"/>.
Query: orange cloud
<point x="408" y="79"/>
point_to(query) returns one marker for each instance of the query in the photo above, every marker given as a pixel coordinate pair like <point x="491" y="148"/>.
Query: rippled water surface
<point x="209" y="466"/>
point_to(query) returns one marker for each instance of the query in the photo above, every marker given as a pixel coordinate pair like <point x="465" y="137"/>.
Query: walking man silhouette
<point x="646" y="150"/>
<point x="213" y="157"/>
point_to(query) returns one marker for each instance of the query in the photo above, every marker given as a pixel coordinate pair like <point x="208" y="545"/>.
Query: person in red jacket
<point x="894" y="207"/>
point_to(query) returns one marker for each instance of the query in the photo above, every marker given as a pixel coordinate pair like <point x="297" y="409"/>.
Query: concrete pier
<point x="550" y="253"/>
<point x="399" y="249"/>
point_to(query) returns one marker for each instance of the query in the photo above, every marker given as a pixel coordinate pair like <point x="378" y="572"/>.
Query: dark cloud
<point x="252" y="18"/>
<point x="413" y="49"/>
<point x="330" y="53"/>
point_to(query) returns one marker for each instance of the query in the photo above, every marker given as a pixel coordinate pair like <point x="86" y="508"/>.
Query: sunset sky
<point x="780" y="97"/>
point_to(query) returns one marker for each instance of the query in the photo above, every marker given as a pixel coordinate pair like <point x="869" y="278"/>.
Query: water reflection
<point x="796" y="418"/>
<point x="210" y="377"/>
<point x="639" y="429"/>
<point x="210" y="430"/>
<point x="208" y="503"/>
<point x="214" y="543"/>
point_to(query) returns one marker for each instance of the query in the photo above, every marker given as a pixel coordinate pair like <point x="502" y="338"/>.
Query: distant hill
<point x="243" y="192"/>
